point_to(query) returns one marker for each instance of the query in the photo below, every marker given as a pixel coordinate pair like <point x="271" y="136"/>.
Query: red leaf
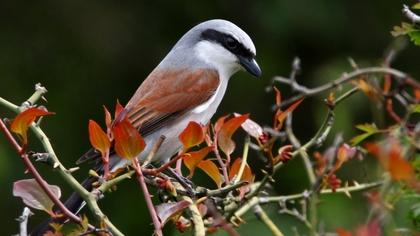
<point x="246" y="175"/>
<point x="225" y="141"/>
<point x="192" y="159"/>
<point x="167" y="210"/>
<point x="373" y="228"/>
<point x="211" y="170"/>
<point x="281" y="115"/>
<point x="128" y="142"/>
<point x="24" y="119"/>
<point x="98" y="138"/>
<point x="192" y="135"/>
<point x="34" y="196"/>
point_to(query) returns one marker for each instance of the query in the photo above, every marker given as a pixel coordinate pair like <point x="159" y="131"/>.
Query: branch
<point x="148" y="198"/>
<point x="89" y="198"/>
<point x="23" y="221"/>
<point x="307" y="92"/>
<point x="410" y="15"/>
<point x="243" y="162"/>
<point x="264" y="200"/>
<point x="31" y="169"/>
<point x="261" y="215"/>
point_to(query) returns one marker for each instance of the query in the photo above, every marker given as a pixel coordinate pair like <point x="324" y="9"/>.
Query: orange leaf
<point x="128" y="142"/>
<point x="108" y="120"/>
<point x="98" y="138"/>
<point x="118" y="109"/>
<point x="246" y="175"/>
<point x="219" y="123"/>
<point x="192" y="159"/>
<point x="344" y="153"/>
<point x="227" y="130"/>
<point x="281" y="115"/>
<point x="24" y="119"/>
<point x="211" y="170"/>
<point x="399" y="168"/>
<point x="368" y="89"/>
<point x="343" y="232"/>
<point x="192" y="135"/>
<point x="417" y="94"/>
<point x="391" y="160"/>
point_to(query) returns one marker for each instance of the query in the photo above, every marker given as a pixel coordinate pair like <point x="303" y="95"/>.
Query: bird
<point x="187" y="85"/>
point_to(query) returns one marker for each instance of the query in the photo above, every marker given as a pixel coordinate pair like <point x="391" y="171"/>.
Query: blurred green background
<point x="90" y="53"/>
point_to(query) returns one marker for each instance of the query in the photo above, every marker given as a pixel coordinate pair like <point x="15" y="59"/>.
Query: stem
<point x="261" y="215"/>
<point x="23" y="221"/>
<point x="148" y="198"/>
<point x="108" y="184"/>
<point x="197" y="220"/>
<point x="220" y="160"/>
<point x="63" y="172"/>
<point x="244" y="161"/>
<point x="306" y="92"/>
<point x="346" y="190"/>
<point x="42" y="183"/>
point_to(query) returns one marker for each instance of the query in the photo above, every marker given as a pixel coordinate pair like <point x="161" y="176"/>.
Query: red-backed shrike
<point x="187" y="85"/>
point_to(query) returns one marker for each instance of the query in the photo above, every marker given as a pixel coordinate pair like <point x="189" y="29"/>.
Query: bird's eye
<point x="231" y="43"/>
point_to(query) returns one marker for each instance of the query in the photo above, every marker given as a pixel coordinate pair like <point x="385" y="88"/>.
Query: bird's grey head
<point x="220" y="44"/>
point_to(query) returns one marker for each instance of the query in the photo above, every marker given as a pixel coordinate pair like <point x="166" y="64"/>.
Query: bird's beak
<point x="250" y="65"/>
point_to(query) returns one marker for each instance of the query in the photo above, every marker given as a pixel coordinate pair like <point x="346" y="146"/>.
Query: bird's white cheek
<point x="217" y="56"/>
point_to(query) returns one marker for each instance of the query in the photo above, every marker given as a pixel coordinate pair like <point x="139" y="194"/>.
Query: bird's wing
<point x="164" y="96"/>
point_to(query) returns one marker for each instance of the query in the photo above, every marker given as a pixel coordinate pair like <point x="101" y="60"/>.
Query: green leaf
<point x="368" y="128"/>
<point x="415" y="37"/>
<point x="404" y="29"/>
<point x="415" y="108"/>
<point x="416" y="6"/>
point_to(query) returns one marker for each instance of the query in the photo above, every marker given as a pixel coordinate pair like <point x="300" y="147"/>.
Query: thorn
<point x="73" y="169"/>
<point x="56" y="165"/>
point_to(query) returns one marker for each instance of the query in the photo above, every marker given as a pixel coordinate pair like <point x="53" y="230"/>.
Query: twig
<point x="197" y="220"/>
<point x="42" y="183"/>
<point x="307" y="92"/>
<point x="220" y="160"/>
<point x="244" y="161"/>
<point x="305" y="194"/>
<point x="39" y="92"/>
<point x="23" y="221"/>
<point x="148" y="198"/>
<point x="89" y="198"/>
<point x="289" y="131"/>
<point x="410" y="15"/>
<point x="224" y="190"/>
<point x="261" y="215"/>
<point x="155" y="148"/>
<point x="108" y="184"/>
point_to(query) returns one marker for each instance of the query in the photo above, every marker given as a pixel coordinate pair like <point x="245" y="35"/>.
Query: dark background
<point x="90" y="53"/>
